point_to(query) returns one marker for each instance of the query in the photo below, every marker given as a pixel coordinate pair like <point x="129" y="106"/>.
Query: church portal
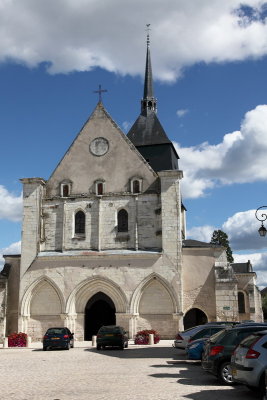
<point x="99" y="310"/>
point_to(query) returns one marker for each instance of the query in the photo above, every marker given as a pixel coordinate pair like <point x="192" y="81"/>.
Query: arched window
<point x="79" y="223"/>
<point x="100" y="188"/>
<point x="122" y="221"/>
<point x="241" y="303"/>
<point x="136" y="186"/>
<point x="65" y="190"/>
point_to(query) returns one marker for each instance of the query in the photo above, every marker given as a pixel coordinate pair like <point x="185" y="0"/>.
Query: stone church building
<point x="104" y="241"/>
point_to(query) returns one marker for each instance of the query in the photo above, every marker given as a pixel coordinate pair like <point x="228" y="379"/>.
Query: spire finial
<point x="147" y="35"/>
<point x="148" y="103"/>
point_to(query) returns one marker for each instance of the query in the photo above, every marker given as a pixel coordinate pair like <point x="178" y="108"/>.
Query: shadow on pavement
<point x="137" y="352"/>
<point x="221" y="394"/>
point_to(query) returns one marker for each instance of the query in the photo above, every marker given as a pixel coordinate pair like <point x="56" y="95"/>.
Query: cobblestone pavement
<point x="157" y="372"/>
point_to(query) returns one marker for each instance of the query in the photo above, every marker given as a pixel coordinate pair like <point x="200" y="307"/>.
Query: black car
<point x="113" y="336"/>
<point x="58" y="338"/>
<point x="218" y="349"/>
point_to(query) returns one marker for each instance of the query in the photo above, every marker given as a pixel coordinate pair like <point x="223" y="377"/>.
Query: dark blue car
<point x="58" y="338"/>
<point x="195" y="348"/>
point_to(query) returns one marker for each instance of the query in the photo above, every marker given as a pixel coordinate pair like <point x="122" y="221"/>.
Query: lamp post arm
<point x="261" y="216"/>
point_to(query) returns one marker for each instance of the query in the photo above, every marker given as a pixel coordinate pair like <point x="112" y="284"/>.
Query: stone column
<point x="3" y="306"/>
<point x="127" y="321"/>
<point x="171" y="221"/>
<point x="225" y="291"/>
<point x="32" y="198"/>
<point x="69" y="321"/>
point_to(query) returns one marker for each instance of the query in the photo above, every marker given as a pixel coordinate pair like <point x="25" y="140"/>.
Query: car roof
<point x="57" y="327"/>
<point x="244" y="327"/>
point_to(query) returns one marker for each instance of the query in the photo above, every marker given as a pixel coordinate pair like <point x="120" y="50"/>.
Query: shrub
<point x="142" y="337"/>
<point x="17" y="339"/>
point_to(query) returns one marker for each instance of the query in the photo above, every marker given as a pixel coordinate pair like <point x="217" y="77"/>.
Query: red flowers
<point x="17" y="339"/>
<point x="142" y="337"/>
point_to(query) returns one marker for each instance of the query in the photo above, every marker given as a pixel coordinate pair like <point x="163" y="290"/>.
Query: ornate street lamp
<point x="261" y="217"/>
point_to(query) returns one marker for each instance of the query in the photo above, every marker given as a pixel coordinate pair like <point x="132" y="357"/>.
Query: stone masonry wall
<point x="144" y="223"/>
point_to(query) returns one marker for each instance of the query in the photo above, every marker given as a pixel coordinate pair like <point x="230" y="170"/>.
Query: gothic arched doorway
<point x="99" y="310"/>
<point x="194" y="317"/>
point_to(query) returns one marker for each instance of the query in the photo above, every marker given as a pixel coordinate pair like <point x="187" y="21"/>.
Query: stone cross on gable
<point x="99" y="91"/>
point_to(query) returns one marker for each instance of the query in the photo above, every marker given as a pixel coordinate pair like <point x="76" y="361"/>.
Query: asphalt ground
<point x="157" y="372"/>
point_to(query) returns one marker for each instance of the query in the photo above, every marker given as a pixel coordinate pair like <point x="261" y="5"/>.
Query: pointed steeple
<point x="149" y="102"/>
<point x="147" y="133"/>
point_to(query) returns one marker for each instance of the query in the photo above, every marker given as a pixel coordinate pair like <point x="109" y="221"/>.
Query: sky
<point x="209" y="62"/>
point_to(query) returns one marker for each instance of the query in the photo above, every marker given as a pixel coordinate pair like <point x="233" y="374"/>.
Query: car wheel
<point x="44" y="348"/>
<point x="225" y="373"/>
<point x="126" y="345"/>
<point x="68" y="346"/>
<point x="98" y="347"/>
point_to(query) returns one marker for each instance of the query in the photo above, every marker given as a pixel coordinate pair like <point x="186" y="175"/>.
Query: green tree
<point x="221" y="238"/>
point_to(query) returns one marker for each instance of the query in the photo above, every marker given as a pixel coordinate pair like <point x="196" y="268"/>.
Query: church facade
<point x="104" y="241"/>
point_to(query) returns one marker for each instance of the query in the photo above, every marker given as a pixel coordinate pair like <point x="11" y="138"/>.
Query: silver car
<point x="249" y="362"/>
<point x="182" y="338"/>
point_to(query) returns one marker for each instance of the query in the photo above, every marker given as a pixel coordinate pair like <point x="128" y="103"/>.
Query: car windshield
<point x="56" y="331"/>
<point x="217" y="336"/>
<point x="107" y="329"/>
<point x="248" y="341"/>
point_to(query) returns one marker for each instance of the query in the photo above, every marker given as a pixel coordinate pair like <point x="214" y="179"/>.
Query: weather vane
<point x="100" y="91"/>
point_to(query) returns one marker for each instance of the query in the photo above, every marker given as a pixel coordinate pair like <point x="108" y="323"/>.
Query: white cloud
<point x="14" y="248"/>
<point x="239" y="158"/>
<point x="242" y="230"/>
<point x="80" y="35"/>
<point x="182" y="112"/>
<point x="10" y="205"/>
<point x="201" y="233"/>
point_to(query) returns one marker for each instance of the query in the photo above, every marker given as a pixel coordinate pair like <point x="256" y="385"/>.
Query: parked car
<point x="58" y="338"/>
<point x="195" y="346"/>
<point x="113" y="336"/>
<point x="194" y="349"/>
<point x="219" y="348"/>
<point x="249" y="362"/>
<point x="183" y="337"/>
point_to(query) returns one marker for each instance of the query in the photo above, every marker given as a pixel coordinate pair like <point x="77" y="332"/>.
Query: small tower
<point x="147" y="133"/>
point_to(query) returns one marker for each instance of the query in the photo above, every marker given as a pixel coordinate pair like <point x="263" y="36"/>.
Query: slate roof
<point x="242" y="268"/>
<point x="197" y="243"/>
<point x="147" y="130"/>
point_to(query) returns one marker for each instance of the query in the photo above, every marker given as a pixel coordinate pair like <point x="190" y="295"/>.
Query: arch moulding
<point x="33" y="289"/>
<point x="136" y="297"/>
<point x="85" y="290"/>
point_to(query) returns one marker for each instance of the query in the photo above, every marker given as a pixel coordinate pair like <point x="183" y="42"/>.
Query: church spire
<point x="148" y="103"/>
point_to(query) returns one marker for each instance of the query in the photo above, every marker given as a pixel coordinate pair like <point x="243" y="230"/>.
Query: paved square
<point x="159" y="372"/>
